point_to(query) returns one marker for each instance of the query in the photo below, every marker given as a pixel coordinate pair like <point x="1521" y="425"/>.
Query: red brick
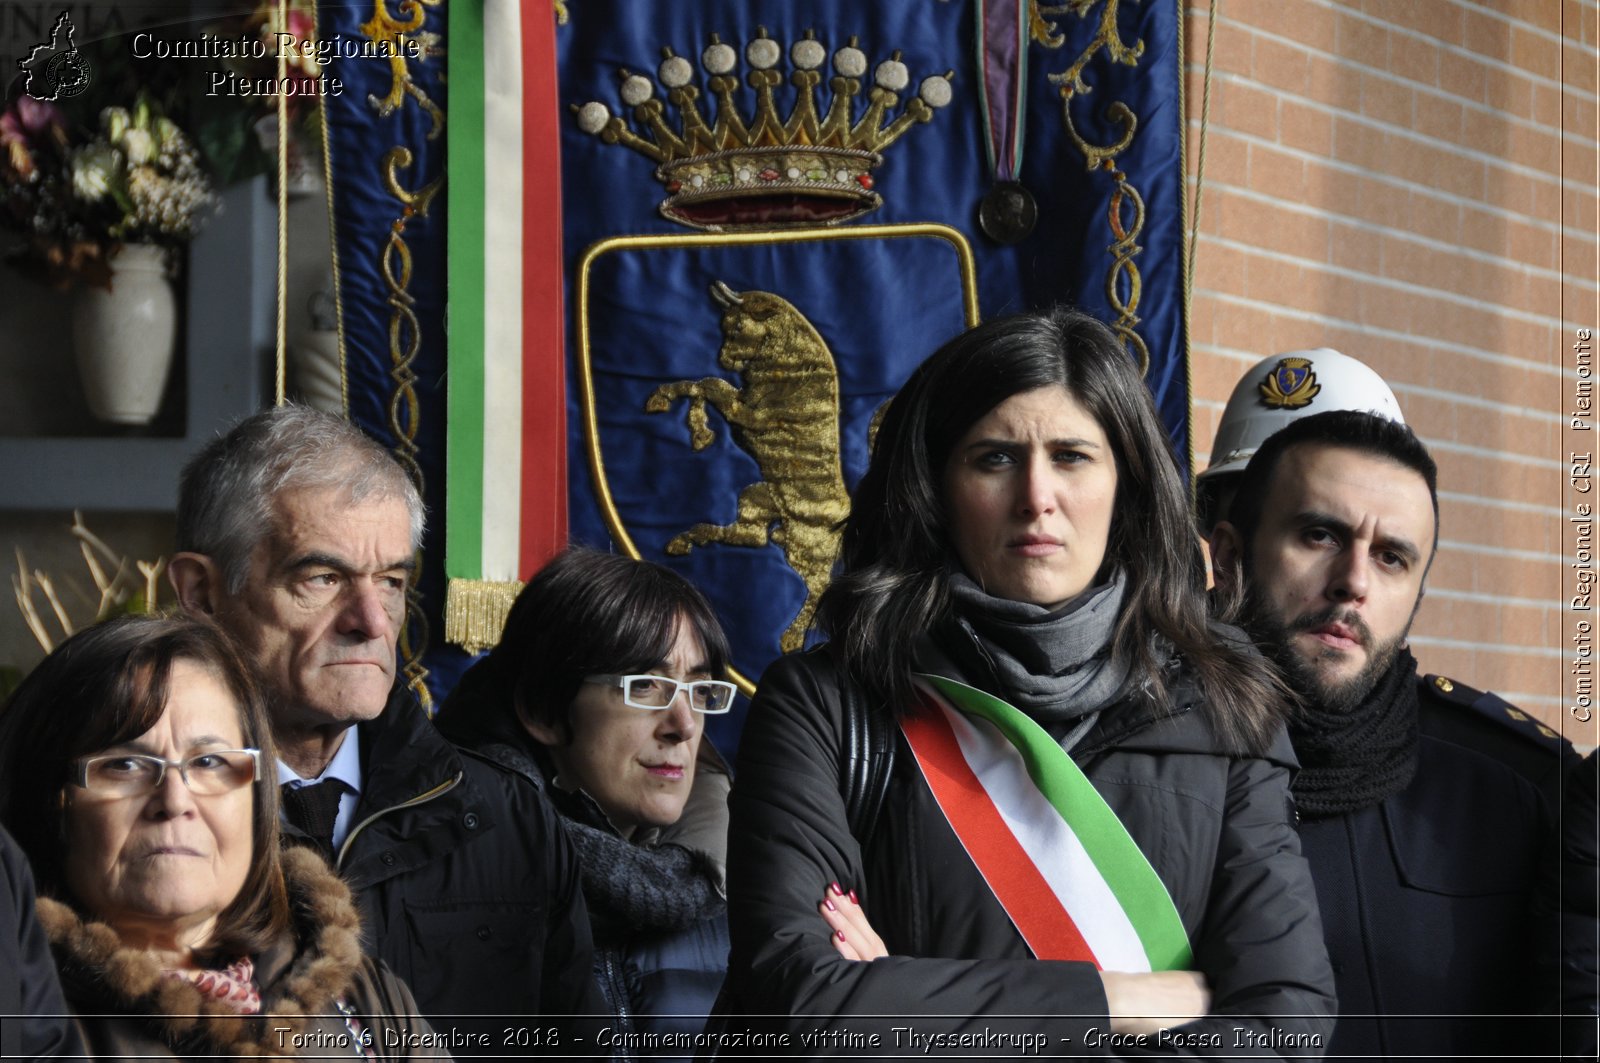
<point x="1334" y="83"/>
<point x="1354" y="248"/>
<point x="1413" y="60"/>
<point x="1536" y="147"/>
<point x="1305" y="128"/>
<point x="1380" y="202"/>
<point x="1535" y="53"/>
<point x="1579" y="163"/>
<point x="1226" y="157"/>
<point x="1531" y="244"/>
<point x="1277" y="174"/>
<point x="1361" y="40"/>
<point x="1218" y="268"/>
<point x="1232" y="47"/>
<point x="1540" y="13"/>
<point x="1386" y="100"/>
<point x="1271" y="280"/>
<point x="1513" y="190"/>
<point x="1245" y="108"/>
<point x="1441" y="21"/>
<point x="1543" y="295"/>
<point x="1433" y="217"/>
<point x="1577" y="115"/>
<point x="1510" y="92"/>
<point x="1292" y="233"/>
<point x="1488" y="36"/>
<point x="1282" y="66"/>
<point x="1462" y="76"/>
<point x="1438" y="116"/>
<point x="1578" y="210"/>
<point x="1308" y="23"/>
<point x="1357" y="143"/>
<point x="1485" y="131"/>
<point x="1239" y="327"/>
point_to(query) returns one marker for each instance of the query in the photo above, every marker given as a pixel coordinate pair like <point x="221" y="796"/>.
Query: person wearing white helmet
<point x="1427" y="810"/>
<point x="1276" y="392"/>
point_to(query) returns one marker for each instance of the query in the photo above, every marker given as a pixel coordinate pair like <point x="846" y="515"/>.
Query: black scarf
<point x="1354" y="758"/>
<point x="630" y="888"/>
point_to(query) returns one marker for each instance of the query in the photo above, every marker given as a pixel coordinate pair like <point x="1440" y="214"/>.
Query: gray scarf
<point x="1055" y="665"/>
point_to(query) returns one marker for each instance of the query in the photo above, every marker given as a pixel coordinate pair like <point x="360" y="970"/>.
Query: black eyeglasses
<point x="651" y="692"/>
<point x="216" y="771"/>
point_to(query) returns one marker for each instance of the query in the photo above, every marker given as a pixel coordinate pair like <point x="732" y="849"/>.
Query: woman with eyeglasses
<point x="137" y="766"/>
<point x="599" y="687"/>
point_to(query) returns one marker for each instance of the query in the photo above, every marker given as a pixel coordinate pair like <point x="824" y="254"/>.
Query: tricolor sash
<point x="1056" y="856"/>
<point x="506" y="507"/>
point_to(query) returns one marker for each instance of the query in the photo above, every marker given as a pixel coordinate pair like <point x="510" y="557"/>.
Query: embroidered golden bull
<point x="786" y="417"/>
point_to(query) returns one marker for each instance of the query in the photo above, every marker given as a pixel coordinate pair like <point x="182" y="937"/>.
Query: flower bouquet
<point x="77" y="196"/>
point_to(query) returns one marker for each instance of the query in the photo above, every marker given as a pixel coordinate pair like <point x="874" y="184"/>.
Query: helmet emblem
<point x="1291" y="385"/>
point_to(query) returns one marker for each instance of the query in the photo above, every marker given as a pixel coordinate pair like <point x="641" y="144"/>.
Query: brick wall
<point x="1413" y="183"/>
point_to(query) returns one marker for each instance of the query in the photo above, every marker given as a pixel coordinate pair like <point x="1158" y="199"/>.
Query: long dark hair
<point x="584" y="612"/>
<point x="895" y="558"/>
<point x="107" y="685"/>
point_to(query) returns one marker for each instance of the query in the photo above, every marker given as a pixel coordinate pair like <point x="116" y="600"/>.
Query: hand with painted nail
<point x="853" y="936"/>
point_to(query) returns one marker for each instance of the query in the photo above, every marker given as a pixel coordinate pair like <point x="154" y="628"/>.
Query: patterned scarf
<point x="233" y="985"/>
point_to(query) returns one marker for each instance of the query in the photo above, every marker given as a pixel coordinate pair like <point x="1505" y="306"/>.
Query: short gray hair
<point x="226" y="492"/>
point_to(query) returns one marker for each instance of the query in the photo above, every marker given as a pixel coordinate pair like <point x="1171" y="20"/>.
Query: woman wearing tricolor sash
<point x="1067" y="817"/>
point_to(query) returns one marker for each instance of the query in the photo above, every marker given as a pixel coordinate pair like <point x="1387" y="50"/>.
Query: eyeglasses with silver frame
<point x="709" y="697"/>
<point x="216" y="771"/>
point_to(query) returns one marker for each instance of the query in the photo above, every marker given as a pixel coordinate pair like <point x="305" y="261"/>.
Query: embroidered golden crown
<point x="809" y="169"/>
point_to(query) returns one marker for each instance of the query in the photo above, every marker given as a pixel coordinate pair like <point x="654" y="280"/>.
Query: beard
<point x="1275" y="636"/>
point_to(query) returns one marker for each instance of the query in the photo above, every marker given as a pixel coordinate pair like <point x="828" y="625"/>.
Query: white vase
<point x="124" y="337"/>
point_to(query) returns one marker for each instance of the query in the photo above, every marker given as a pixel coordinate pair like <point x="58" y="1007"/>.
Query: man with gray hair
<point x="298" y="534"/>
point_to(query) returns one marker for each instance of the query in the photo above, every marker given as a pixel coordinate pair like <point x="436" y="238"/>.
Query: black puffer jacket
<point x="1217" y="829"/>
<point x="467" y="885"/>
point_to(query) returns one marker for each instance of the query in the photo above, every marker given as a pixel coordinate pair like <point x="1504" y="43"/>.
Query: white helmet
<point x="1285" y="387"/>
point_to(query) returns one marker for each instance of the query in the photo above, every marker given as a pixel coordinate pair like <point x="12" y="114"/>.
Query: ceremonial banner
<point x="769" y="212"/>
<point x="775" y="210"/>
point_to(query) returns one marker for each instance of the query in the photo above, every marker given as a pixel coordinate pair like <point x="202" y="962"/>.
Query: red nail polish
<point x="854" y="899"/>
<point x="829" y="905"/>
<point x="838" y="889"/>
<point x="839" y="934"/>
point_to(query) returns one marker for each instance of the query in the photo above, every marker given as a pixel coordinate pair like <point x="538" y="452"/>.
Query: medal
<point x="1008" y="212"/>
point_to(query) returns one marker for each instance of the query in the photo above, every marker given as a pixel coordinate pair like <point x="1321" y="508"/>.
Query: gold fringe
<point x="475" y="611"/>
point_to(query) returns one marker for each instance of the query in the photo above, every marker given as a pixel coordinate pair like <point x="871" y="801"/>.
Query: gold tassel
<point x="475" y="611"/>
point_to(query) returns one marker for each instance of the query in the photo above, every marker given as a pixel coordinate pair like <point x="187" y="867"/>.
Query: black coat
<point x="1427" y="898"/>
<point x="1577" y="898"/>
<point x="33" y="1014"/>
<point x="467" y="885"/>
<point x="1217" y="829"/>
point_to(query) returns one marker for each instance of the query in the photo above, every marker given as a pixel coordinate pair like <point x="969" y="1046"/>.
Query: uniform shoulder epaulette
<point x="1491" y="707"/>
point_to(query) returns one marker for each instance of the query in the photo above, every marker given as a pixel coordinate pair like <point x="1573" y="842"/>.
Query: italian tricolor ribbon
<point x="505" y="504"/>
<point x="1056" y="856"/>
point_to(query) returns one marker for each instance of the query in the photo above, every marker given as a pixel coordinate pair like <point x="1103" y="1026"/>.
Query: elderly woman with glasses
<point x="599" y="687"/>
<point x="136" y="761"/>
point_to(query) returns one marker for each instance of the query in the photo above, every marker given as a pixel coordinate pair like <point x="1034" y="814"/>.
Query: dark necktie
<point x="313" y="808"/>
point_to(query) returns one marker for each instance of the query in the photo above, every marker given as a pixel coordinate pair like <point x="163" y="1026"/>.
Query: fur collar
<point x="300" y="977"/>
